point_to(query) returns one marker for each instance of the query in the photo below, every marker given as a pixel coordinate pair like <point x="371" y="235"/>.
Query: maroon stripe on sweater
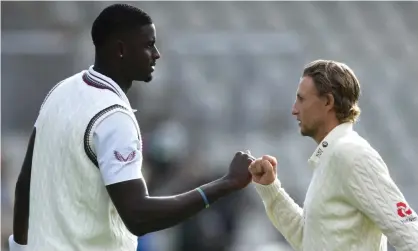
<point x="94" y="75"/>
<point x="96" y="84"/>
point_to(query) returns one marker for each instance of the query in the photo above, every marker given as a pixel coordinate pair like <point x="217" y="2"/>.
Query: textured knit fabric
<point x="351" y="204"/>
<point x="70" y="209"/>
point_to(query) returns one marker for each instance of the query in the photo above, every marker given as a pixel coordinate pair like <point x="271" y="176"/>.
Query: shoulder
<point x="67" y="82"/>
<point x="119" y="118"/>
<point x="114" y="121"/>
<point x="353" y="149"/>
<point x="358" y="161"/>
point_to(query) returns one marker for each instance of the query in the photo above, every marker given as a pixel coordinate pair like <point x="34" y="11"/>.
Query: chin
<point x="307" y="133"/>
<point x="144" y="79"/>
<point x="148" y="79"/>
<point x="304" y="132"/>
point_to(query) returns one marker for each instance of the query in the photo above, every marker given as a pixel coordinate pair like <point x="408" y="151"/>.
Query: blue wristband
<point x="205" y="199"/>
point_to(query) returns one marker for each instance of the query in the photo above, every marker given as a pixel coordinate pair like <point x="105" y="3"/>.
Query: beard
<point x="307" y="131"/>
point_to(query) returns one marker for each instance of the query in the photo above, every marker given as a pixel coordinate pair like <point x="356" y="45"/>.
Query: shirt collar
<point x="328" y="143"/>
<point x="99" y="79"/>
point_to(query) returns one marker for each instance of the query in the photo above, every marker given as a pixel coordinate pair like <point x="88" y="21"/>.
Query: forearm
<point x="157" y="213"/>
<point x="283" y="212"/>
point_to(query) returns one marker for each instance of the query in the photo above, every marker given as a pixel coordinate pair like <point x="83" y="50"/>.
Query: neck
<point x="324" y="130"/>
<point x="112" y="72"/>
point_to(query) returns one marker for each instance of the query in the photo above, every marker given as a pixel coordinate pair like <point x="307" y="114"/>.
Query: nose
<point x="156" y="54"/>
<point x="294" y="110"/>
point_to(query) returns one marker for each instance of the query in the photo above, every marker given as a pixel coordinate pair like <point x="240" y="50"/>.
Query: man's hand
<point x="264" y="170"/>
<point x="238" y="174"/>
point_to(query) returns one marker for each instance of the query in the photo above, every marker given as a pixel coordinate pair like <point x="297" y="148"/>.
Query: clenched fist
<point x="238" y="174"/>
<point x="264" y="170"/>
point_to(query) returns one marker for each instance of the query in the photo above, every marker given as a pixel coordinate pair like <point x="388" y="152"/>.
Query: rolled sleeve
<point x="118" y="149"/>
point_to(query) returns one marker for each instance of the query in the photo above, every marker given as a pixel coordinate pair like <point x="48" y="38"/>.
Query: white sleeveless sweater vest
<point x="70" y="209"/>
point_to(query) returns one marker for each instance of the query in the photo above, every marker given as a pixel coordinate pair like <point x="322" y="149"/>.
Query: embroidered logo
<point x="319" y="152"/>
<point x="120" y="157"/>
<point x="405" y="212"/>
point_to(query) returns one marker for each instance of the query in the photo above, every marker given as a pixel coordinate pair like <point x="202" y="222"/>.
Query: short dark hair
<point x="339" y="80"/>
<point x="117" y="18"/>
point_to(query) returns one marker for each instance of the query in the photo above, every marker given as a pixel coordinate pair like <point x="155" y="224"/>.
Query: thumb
<point x="271" y="159"/>
<point x="249" y="154"/>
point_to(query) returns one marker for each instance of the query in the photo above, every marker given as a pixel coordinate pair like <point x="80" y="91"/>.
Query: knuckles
<point x="240" y="153"/>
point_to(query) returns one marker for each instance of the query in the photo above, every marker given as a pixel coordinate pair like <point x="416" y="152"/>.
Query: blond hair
<point x="337" y="79"/>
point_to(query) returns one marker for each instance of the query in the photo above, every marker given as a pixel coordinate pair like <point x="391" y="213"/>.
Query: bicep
<point x="127" y="196"/>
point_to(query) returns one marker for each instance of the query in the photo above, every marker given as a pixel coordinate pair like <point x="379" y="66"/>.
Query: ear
<point x="329" y="100"/>
<point x="121" y="48"/>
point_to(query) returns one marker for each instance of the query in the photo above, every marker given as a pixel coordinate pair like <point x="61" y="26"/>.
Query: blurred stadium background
<point x="226" y="82"/>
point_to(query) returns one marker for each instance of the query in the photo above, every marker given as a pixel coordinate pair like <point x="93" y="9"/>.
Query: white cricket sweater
<point x="351" y="204"/>
<point x="70" y="209"/>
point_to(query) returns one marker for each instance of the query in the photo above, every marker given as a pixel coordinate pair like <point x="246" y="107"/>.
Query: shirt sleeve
<point x="371" y="189"/>
<point x="285" y="214"/>
<point x="118" y="149"/>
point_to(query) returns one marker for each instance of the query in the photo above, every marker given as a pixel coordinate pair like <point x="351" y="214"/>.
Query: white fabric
<point x="104" y="80"/>
<point x="351" y="203"/>
<point x="70" y="208"/>
<point x="13" y="246"/>
<point x="117" y="134"/>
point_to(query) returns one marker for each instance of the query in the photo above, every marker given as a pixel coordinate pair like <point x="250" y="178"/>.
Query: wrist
<point x="270" y="193"/>
<point x="230" y="184"/>
<point x="203" y="195"/>
<point x="264" y="182"/>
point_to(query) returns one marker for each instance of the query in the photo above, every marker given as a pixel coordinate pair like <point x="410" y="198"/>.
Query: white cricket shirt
<point x="351" y="204"/>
